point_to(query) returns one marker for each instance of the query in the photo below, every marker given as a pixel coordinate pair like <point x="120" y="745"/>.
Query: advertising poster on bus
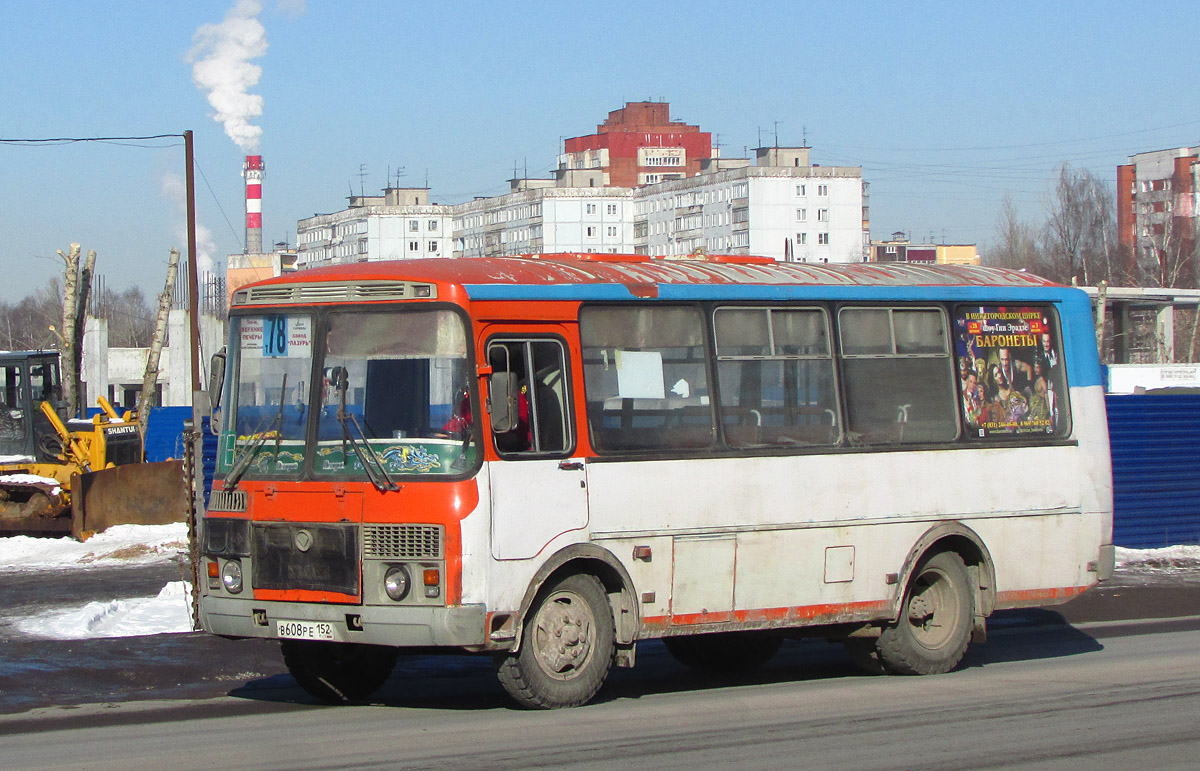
<point x="1010" y="370"/>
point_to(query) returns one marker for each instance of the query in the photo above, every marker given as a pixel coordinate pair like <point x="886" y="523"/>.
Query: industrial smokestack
<point x="252" y="170"/>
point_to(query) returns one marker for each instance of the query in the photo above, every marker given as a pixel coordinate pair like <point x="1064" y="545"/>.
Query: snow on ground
<point x="169" y="612"/>
<point x="123" y="545"/>
<point x="120" y="545"/>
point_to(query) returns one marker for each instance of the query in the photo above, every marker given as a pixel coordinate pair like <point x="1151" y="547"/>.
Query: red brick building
<point x="639" y="144"/>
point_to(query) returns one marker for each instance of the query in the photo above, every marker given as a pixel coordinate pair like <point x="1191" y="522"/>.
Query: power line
<point x="51" y="141"/>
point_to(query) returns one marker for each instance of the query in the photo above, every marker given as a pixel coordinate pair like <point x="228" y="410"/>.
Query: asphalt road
<point x="1110" y="680"/>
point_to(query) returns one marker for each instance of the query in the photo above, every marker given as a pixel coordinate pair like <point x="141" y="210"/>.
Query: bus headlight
<point x="396" y="582"/>
<point x="231" y="576"/>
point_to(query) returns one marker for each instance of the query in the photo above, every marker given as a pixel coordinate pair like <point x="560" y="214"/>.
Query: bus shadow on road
<point x="454" y="682"/>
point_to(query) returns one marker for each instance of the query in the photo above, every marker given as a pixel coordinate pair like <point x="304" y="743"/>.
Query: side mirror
<point x="502" y="401"/>
<point x="216" y="378"/>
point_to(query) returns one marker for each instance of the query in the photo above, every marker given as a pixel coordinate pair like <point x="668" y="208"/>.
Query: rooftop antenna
<point x="804" y="133"/>
<point x="362" y="176"/>
<point x="776" y="135"/>
<point x="426" y="178"/>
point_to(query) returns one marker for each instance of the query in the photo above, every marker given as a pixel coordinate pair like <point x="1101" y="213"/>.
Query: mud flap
<point x="137" y="494"/>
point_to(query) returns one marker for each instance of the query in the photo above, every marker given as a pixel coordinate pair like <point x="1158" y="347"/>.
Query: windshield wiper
<point x="362" y="448"/>
<point x="242" y="462"/>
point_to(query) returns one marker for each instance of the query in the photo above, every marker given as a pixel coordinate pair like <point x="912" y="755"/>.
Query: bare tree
<point x="1079" y="235"/>
<point x="1016" y="243"/>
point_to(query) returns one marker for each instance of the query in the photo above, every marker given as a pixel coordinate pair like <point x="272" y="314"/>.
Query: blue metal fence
<point x="1156" y="469"/>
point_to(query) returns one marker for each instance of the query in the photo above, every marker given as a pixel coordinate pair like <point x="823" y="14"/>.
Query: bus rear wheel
<point x="726" y="652"/>
<point x="567" y="646"/>
<point x="935" y="621"/>
<point x="338" y="672"/>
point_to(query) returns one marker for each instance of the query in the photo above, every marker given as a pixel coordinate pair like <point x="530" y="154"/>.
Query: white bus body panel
<point x="819" y="533"/>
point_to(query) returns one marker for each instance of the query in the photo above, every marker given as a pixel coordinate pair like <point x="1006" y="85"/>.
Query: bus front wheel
<point x="567" y="646"/>
<point x="338" y="672"/>
<point x="934" y="627"/>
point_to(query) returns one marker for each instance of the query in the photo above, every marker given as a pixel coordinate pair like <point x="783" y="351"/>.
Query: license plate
<point x="305" y="630"/>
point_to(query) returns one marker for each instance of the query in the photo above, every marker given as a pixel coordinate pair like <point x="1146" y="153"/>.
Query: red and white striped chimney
<point x="252" y="170"/>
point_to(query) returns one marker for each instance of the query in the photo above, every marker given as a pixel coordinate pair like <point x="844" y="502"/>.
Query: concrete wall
<point x="110" y="372"/>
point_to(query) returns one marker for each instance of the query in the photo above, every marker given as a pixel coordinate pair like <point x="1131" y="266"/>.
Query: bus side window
<point x="543" y="425"/>
<point x="776" y="375"/>
<point x="897" y="376"/>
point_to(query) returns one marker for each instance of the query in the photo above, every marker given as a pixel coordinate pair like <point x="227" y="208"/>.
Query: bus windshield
<point x="394" y="395"/>
<point x="268" y="417"/>
<point x="391" y="396"/>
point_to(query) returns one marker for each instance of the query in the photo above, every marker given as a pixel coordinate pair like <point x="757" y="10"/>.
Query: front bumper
<point x="408" y="626"/>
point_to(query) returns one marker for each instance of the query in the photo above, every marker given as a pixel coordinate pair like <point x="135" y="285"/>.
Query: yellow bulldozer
<point x="75" y="477"/>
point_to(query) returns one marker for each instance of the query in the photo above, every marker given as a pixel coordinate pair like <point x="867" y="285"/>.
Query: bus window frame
<point x="831" y="356"/>
<point x="570" y="418"/>
<point x="948" y="355"/>
<point x="716" y="444"/>
<point x="319" y="315"/>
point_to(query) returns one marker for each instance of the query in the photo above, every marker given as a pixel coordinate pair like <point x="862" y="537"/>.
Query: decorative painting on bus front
<point x="1010" y="371"/>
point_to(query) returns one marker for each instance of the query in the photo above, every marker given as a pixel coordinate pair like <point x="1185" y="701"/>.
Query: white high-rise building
<point x="539" y="217"/>
<point x="400" y="224"/>
<point x="783" y="208"/>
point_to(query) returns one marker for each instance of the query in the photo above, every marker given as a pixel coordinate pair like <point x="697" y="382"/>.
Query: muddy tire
<point x="338" y="672"/>
<point x="567" y="646"/>
<point x="724" y="652"/>
<point x="935" y="621"/>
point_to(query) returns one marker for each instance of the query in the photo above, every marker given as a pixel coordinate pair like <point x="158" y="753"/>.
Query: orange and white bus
<point x="549" y="458"/>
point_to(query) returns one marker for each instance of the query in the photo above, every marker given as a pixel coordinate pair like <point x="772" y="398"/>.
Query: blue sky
<point x="946" y="106"/>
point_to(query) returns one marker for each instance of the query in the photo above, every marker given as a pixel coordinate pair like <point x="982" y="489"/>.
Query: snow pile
<point x="1167" y="557"/>
<point x="119" y="545"/>
<point x="14" y="459"/>
<point x="32" y="479"/>
<point x="170" y="611"/>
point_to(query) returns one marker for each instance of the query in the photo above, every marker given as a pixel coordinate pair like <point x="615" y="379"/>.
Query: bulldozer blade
<point x="34" y="509"/>
<point x="136" y="494"/>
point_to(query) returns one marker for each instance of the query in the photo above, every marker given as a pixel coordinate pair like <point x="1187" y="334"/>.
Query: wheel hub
<point x="562" y="636"/>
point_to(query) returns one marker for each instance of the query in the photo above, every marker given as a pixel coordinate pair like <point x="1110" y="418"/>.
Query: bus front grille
<point x="306" y="556"/>
<point x="402" y="541"/>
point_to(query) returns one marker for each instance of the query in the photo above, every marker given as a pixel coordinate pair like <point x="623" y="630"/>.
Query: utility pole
<point x="193" y="278"/>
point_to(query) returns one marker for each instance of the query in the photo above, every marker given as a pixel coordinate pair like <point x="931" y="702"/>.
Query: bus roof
<point x="614" y="277"/>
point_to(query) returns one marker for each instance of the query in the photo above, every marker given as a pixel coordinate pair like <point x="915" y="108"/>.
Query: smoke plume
<point x="173" y="189"/>
<point x="221" y="57"/>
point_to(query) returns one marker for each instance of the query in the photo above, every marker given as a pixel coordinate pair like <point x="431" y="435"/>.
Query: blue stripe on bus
<point x="1083" y="367"/>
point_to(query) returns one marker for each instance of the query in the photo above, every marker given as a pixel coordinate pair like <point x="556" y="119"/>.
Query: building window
<point x="822" y="238"/>
<point x="433" y="246"/>
<point x="612" y="231"/>
<point x="591" y="231"/>
<point x="414" y="246"/>
<point x="802" y="215"/>
<point x="612" y="208"/>
<point x="800" y="189"/>
<point x="433" y="226"/>
<point x="890" y="250"/>
<point x="802" y="238"/>
<point x="591" y="208"/>
<point x="822" y="215"/>
<point x="822" y="189"/>
<point x="413" y="226"/>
